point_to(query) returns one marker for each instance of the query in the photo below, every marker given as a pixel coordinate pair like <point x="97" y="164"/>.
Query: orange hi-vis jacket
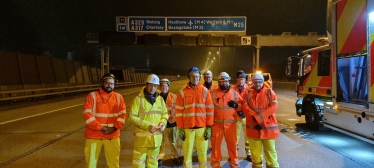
<point x="214" y="86"/>
<point x="244" y="91"/>
<point x="170" y="105"/>
<point x="103" y="109"/>
<point x="262" y="105"/>
<point x="225" y="116"/>
<point x="194" y="107"/>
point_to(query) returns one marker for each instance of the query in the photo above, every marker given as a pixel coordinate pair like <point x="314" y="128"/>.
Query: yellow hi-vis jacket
<point x="142" y="114"/>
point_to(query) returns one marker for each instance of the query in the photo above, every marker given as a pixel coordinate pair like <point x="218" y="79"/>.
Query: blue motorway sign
<point x="147" y="24"/>
<point x="208" y="24"/>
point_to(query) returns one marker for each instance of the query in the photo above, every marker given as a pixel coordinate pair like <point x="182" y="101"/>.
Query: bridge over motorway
<point x="50" y="133"/>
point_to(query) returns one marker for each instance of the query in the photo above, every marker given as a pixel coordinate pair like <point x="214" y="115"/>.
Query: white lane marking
<point x="39" y="114"/>
<point x="287" y="99"/>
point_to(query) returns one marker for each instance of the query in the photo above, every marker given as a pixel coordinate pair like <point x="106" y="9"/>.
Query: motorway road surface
<point x="50" y="133"/>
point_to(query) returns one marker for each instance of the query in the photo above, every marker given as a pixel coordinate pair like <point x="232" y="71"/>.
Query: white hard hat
<point x="208" y="73"/>
<point x="165" y="81"/>
<point x="223" y="76"/>
<point x="257" y="76"/>
<point x="153" y="79"/>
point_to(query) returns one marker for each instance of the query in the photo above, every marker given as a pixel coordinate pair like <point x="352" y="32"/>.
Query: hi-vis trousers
<point x="270" y="154"/>
<point x="111" y="147"/>
<point x="193" y="135"/>
<point x="230" y="137"/>
<point x="240" y="125"/>
<point x="171" y="135"/>
<point x="141" y="155"/>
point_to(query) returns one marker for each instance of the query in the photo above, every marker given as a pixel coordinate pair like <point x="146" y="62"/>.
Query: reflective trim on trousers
<point x="270" y="166"/>
<point x="148" y="134"/>
<point x="108" y="125"/>
<point x="152" y="157"/>
<point x="256" y="163"/>
<point x="234" y="164"/>
<point x="121" y="120"/>
<point x="188" y="164"/>
<point x="106" y="115"/>
<point x="216" y="164"/>
<point x="202" y="164"/>
<point x="138" y="162"/>
<point x="87" y="111"/>
<point x="137" y="152"/>
<point x="135" y="115"/>
<point x="225" y="121"/>
<point x="223" y="107"/>
<point x="150" y="112"/>
<point x="90" y="120"/>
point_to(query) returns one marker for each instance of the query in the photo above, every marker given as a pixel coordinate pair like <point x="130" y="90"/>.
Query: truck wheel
<point x="312" y="117"/>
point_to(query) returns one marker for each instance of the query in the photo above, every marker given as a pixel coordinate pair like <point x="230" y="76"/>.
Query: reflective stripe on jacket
<point x="170" y="105"/>
<point x="224" y="115"/>
<point x="194" y="107"/>
<point x="103" y="109"/>
<point x="214" y="86"/>
<point x="142" y="114"/>
<point x="262" y="105"/>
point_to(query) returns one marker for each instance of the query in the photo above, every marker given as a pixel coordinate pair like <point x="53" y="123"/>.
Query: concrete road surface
<point x="50" y="133"/>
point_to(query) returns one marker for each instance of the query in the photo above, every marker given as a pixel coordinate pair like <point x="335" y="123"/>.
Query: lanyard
<point x="104" y="102"/>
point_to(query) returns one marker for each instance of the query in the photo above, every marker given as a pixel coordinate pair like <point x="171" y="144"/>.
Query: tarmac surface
<point x="50" y="133"/>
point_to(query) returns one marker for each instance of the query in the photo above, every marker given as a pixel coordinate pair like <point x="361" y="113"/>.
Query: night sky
<point x="55" y="27"/>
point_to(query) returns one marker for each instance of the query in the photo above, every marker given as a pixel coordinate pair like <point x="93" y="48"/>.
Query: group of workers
<point x="199" y="112"/>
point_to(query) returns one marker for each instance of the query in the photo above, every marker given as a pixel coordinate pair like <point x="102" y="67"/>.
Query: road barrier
<point x="25" y="76"/>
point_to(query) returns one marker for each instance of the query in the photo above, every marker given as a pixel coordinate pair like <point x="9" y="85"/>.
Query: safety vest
<point x="142" y="114"/>
<point x="213" y="87"/>
<point x="243" y="93"/>
<point x="103" y="109"/>
<point x="170" y="105"/>
<point x="263" y="105"/>
<point x="194" y="107"/>
<point x="224" y="115"/>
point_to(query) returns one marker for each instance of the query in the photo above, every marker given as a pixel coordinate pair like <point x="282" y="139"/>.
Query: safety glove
<point x="233" y="104"/>
<point x="258" y="127"/>
<point x="241" y="114"/>
<point x="161" y="127"/>
<point x="208" y="133"/>
<point x="182" y="135"/>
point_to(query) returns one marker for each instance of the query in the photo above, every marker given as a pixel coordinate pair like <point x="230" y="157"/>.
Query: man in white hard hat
<point x="149" y="115"/>
<point x="261" y="123"/>
<point x="208" y="78"/>
<point x="227" y="108"/>
<point x="170" y="132"/>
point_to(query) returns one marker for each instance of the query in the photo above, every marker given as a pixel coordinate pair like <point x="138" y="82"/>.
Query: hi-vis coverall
<point x="241" y="123"/>
<point x="170" y="133"/>
<point x="147" y="144"/>
<point x="103" y="109"/>
<point x="194" y="112"/>
<point x="225" y="119"/>
<point x="263" y="105"/>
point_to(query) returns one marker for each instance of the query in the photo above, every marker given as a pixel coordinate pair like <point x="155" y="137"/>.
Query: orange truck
<point x="336" y="81"/>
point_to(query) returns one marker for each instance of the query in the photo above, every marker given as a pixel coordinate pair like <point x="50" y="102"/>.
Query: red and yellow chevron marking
<point x="267" y="84"/>
<point x="351" y="28"/>
<point x="372" y="63"/>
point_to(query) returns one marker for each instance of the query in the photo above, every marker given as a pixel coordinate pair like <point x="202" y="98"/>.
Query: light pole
<point x="219" y="53"/>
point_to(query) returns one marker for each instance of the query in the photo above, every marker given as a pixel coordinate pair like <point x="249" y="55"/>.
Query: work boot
<point x="159" y="162"/>
<point x="249" y="158"/>
<point x="176" y="162"/>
